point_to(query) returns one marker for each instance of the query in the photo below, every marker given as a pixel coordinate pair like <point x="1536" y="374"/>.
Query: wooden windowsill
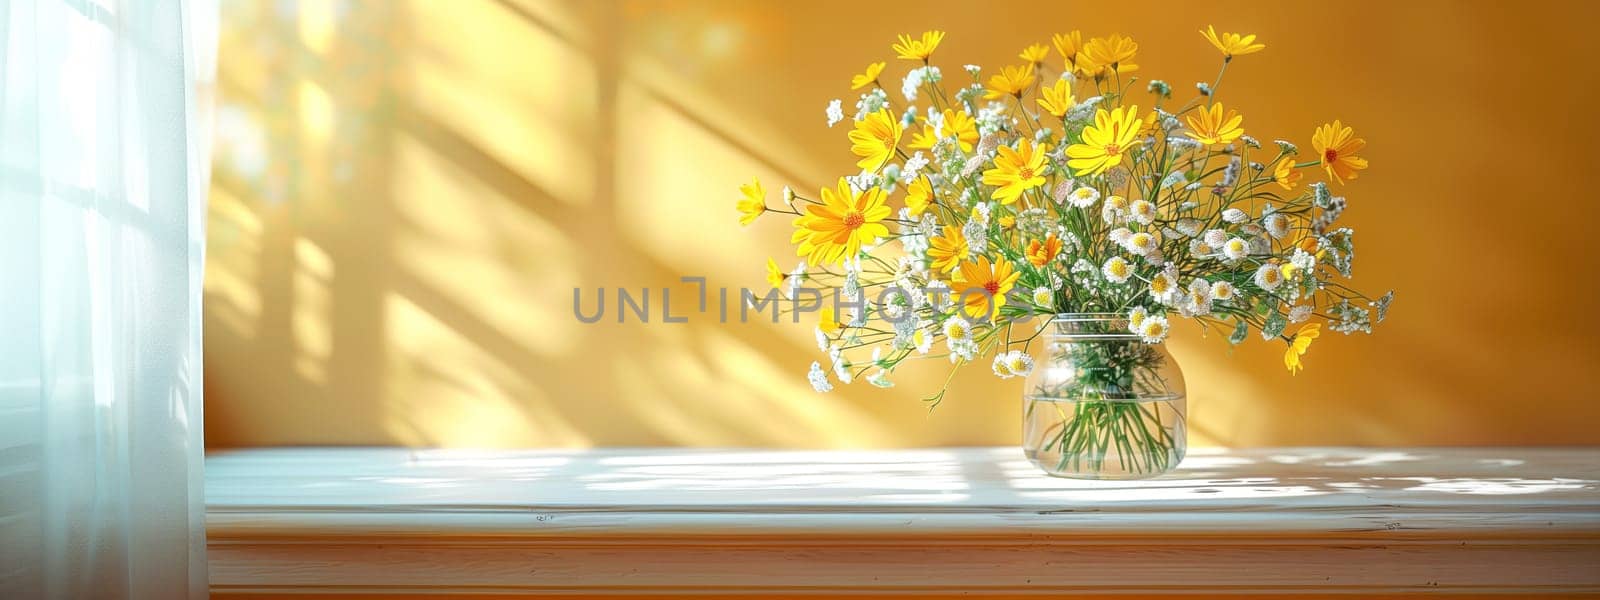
<point x="939" y="521"/>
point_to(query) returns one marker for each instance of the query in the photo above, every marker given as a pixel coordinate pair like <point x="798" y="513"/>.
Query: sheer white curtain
<point x="103" y="175"/>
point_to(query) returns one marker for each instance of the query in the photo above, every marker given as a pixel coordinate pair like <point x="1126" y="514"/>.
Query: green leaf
<point x="1239" y="331"/>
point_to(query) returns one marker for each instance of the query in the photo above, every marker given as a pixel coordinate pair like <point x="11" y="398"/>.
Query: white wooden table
<point x="924" y="522"/>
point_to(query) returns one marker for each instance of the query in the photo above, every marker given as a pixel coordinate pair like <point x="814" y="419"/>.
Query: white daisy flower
<point x="1268" y="277"/>
<point x="1223" y="290"/>
<point x="1142" y="211"/>
<point x="1234" y="215"/>
<point x="1215" y="238"/>
<point x="1200" y="249"/>
<point x="1198" y="301"/>
<point x="1019" y="363"/>
<point x="1236" y="248"/>
<point x="1190" y="227"/>
<point x="819" y="378"/>
<point x="1044" y="297"/>
<point x="1136" y="317"/>
<point x="835" y="112"/>
<point x="1141" y="243"/>
<point x="1162" y="285"/>
<point x="1001" y="368"/>
<point x="1153" y="330"/>
<point x="957" y="329"/>
<point x="1117" y="270"/>
<point x="1119" y="236"/>
<point x="1083" y="196"/>
<point x="923" y="338"/>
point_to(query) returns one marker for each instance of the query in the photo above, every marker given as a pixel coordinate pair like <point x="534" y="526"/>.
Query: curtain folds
<point x="103" y="175"/>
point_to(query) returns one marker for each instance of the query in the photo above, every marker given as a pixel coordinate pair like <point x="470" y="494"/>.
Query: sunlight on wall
<point x="406" y="194"/>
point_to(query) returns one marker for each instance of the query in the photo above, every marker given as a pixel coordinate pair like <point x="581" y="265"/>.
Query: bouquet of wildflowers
<point x="1063" y="184"/>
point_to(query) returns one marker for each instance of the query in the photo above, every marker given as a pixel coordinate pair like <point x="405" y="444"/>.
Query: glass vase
<point x="1101" y="403"/>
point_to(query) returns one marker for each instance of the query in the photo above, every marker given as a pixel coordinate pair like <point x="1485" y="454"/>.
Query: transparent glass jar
<point x="1101" y="403"/>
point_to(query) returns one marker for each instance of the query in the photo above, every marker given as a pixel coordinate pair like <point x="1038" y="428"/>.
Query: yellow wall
<point x="406" y="194"/>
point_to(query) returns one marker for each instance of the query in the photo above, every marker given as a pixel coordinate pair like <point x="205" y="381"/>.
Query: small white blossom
<point x="841" y="369"/>
<point x="1305" y="261"/>
<point x="963" y="351"/>
<point x="914" y="165"/>
<point x="835" y="112"/>
<point x="1234" y="215"/>
<point x="819" y="378"/>
<point x="1299" y="313"/>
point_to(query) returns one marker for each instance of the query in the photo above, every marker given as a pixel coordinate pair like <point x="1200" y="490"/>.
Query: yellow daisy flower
<point x="956" y="123"/>
<point x="775" y="276"/>
<point x="1297" y="348"/>
<point x="1337" y="146"/>
<point x="1115" y="53"/>
<point x="963" y="126"/>
<point x="1068" y="45"/>
<point x="947" y="250"/>
<point x="834" y="230"/>
<point x="918" y="195"/>
<point x="995" y="278"/>
<point x="1208" y="126"/>
<point x="865" y="79"/>
<point x="1034" y="54"/>
<point x="1010" y="81"/>
<point x="874" y="138"/>
<point x="1057" y="99"/>
<point x="1285" y="174"/>
<point x="753" y="203"/>
<point x="1105" y="142"/>
<point x="1040" y="253"/>
<point x="826" y="321"/>
<point x="918" y="49"/>
<point x="1232" y="44"/>
<point x="1016" y="171"/>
